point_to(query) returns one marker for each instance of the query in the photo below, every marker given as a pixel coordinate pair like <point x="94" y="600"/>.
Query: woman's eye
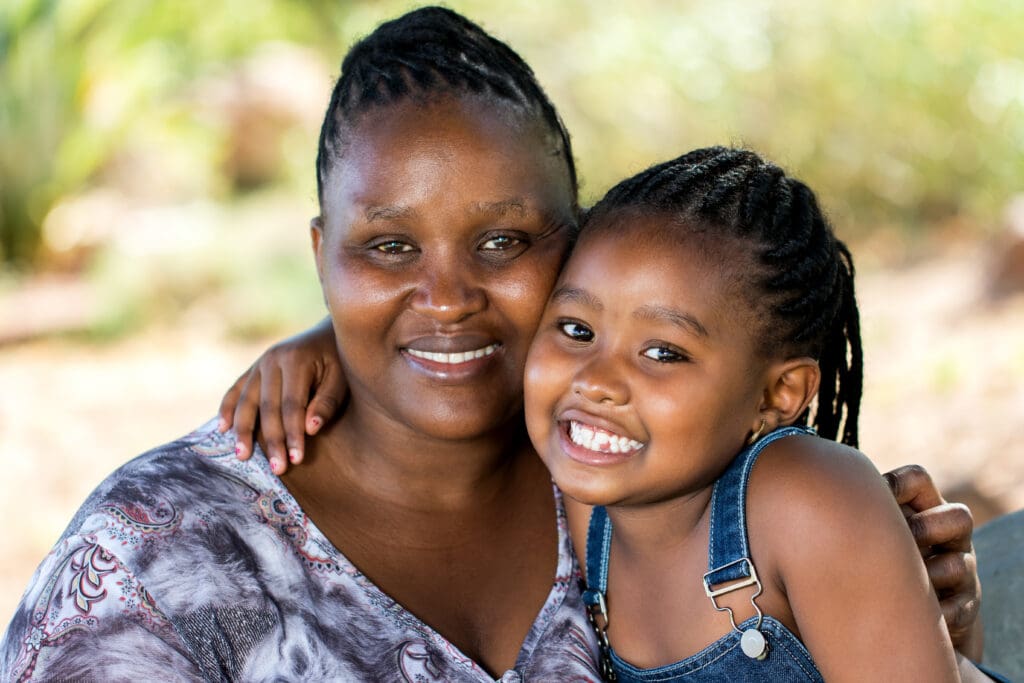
<point x="576" y="331"/>
<point x="393" y="247"/>
<point x="664" y="354"/>
<point x="501" y="242"/>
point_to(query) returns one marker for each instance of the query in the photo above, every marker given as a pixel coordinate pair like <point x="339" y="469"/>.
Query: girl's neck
<point x="656" y="528"/>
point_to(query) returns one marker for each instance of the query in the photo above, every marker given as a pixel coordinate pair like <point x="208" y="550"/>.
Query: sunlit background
<point x="156" y="181"/>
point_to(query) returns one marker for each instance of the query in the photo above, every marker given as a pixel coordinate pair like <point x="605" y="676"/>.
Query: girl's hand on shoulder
<point x="943" y="532"/>
<point x="276" y="391"/>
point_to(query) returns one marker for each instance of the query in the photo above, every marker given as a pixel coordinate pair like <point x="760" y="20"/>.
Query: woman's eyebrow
<point x="577" y="296"/>
<point x="514" y="205"/>
<point x="670" y="315"/>
<point x="379" y="212"/>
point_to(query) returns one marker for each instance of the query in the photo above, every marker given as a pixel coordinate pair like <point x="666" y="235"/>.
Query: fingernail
<point x="238" y="449"/>
<point x="277" y="466"/>
<point x="315" y="422"/>
<point x="293" y="455"/>
<point x="222" y="424"/>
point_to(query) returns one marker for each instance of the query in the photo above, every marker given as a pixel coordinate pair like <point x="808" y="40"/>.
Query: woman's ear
<point x="316" y="235"/>
<point x="792" y="385"/>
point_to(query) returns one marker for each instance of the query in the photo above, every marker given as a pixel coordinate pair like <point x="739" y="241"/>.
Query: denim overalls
<point x="784" y="658"/>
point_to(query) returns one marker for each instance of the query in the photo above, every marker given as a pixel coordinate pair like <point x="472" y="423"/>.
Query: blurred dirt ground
<point x="944" y="388"/>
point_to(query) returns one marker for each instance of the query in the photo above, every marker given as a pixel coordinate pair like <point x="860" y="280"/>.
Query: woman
<point x="422" y="539"/>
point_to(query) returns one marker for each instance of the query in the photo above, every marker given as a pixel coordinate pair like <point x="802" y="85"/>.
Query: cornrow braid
<point x="801" y="274"/>
<point x="431" y="51"/>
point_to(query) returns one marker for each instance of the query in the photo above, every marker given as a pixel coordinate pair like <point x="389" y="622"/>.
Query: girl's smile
<point x="644" y="379"/>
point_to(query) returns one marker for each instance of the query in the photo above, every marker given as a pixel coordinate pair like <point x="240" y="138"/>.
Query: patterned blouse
<point x="187" y="564"/>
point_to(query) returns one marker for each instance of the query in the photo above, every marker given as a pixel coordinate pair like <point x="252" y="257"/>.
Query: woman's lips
<point x="453" y="358"/>
<point x="454" y="365"/>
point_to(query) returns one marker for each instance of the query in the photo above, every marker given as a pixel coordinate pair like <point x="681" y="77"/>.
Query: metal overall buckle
<point x="752" y="641"/>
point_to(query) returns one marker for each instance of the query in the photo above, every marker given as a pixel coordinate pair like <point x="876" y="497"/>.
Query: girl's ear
<point x="316" y="235"/>
<point x="792" y="385"/>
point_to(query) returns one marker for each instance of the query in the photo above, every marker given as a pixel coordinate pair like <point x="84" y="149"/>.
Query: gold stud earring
<point x="757" y="435"/>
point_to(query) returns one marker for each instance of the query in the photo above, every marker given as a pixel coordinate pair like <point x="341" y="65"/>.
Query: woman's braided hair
<point x="431" y="51"/>
<point x="802" y="275"/>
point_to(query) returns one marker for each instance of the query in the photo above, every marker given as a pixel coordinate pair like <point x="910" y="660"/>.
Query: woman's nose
<point x="449" y="294"/>
<point x="600" y="380"/>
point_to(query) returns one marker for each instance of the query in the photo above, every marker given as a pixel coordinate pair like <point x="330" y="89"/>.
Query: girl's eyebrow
<point x="671" y="315"/>
<point x="577" y="296"/>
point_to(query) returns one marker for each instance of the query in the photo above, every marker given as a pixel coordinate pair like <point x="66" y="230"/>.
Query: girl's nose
<point x="449" y="295"/>
<point x="600" y="381"/>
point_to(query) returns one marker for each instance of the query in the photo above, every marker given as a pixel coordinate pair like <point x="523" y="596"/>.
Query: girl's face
<point x="643" y="380"/>
<point x="443" y="228"/>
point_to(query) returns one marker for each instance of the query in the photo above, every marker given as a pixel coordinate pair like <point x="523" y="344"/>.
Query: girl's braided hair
<point x="801" y="274"/>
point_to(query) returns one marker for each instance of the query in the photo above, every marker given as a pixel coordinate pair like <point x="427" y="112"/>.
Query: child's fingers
<point x="295" y="387"/>
<point x="226" y="412"/>
<point x="246" y="412"/>
<point x="271" y="426"/>
<point x="330" y="394"/>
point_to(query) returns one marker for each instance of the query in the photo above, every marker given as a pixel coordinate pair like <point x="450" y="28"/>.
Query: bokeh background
<point x="156" y="181"/>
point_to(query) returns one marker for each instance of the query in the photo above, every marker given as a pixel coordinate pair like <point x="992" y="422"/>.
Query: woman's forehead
<point x="409" y="152"/>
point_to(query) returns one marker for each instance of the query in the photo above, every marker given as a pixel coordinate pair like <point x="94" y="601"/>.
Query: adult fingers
<point x="948" y="526"/>
<point x="913" y="487"/>
<point x="962" y="616"/>
<point x="326" y="403"/>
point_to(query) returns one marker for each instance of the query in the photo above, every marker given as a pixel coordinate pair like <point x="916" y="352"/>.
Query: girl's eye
<point x="393" y="247"/>
<point x="501" y="243"/>
<point x="663" y="354"/>
<point x="576" y="331"/>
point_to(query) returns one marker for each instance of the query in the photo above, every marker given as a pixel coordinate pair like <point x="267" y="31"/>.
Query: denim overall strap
<point x="599" y="542"/>
<point x="728" y="547"/>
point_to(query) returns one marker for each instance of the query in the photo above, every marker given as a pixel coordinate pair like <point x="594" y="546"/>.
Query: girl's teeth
<point x="454" y="358"/>
<point x="600" y="440"/>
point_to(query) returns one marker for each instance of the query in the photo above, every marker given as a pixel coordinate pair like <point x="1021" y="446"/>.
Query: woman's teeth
<point x="454" y="358"/>
<point x="599" y="440"/>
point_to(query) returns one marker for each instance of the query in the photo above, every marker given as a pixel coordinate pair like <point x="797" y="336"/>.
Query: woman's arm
<point x="943" y="534"/>
<point x="276" y="390"/>
<point x="850" y="570"/>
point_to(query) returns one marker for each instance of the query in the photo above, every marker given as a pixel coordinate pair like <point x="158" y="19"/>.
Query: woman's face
<point x="443" y="228"/>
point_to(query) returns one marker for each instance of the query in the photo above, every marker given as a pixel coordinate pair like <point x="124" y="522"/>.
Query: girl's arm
<point x="293" y="389"/>
<point x="849" y="568"/>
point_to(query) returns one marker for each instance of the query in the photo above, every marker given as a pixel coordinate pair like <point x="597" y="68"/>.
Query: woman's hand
<point x="277" y="390"/>
<point x="943" y="534"/>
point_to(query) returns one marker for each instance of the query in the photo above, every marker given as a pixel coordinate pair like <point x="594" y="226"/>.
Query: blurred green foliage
<point x="905" y="115"/>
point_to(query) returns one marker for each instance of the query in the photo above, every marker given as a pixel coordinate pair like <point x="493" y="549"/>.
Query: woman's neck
<point x="389" y="461"/>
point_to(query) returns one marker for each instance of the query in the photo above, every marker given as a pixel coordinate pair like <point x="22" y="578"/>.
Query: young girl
<point x="706" y="306"/>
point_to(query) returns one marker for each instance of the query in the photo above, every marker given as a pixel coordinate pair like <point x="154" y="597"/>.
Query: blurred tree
<point x="903" y="114"/>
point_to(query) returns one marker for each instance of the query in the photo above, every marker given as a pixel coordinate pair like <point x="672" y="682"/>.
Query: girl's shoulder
<point x="804" y="474"/>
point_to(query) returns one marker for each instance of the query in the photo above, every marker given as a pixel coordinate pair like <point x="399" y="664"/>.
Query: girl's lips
<point x="592" y="445"/>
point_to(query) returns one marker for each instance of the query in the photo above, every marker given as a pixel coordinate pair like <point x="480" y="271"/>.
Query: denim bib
<point x="783" y="656"/>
